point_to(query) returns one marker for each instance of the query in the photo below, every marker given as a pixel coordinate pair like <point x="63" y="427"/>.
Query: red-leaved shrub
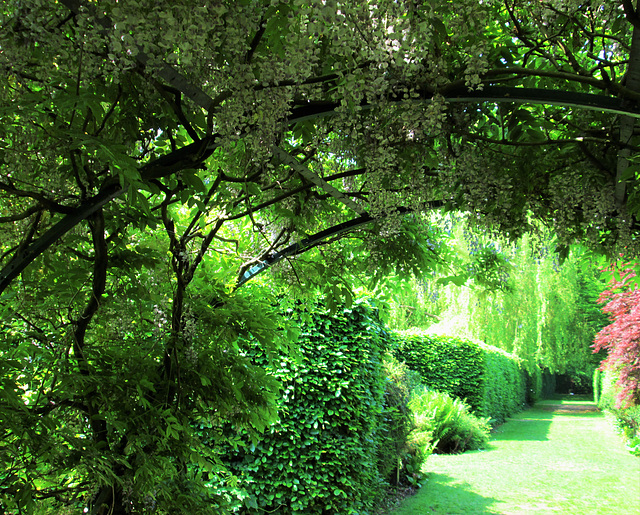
<point x="621" y="338"/>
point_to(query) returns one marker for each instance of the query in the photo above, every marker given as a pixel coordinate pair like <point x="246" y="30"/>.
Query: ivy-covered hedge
<point x="492" y="382"/>
<point x="321" y="457"/>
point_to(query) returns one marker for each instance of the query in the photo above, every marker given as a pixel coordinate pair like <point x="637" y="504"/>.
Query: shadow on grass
<point x="441" y="495"/>
<point x="532" y="424"/>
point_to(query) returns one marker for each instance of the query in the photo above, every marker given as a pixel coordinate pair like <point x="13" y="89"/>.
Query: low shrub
<point x="419" y="448"/>
<point x="453" y="428"/>
<point x="627" y="420"/>
<point x="628" y="424"/>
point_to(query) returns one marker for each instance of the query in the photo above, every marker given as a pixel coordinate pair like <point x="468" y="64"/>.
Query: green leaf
<point x="253" y="188"/>
<point x="191" y="178"/>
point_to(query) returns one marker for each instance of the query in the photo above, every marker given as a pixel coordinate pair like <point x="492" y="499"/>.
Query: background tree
<point x="518" y="296"/>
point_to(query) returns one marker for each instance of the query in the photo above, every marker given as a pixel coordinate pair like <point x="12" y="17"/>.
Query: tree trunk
<point x="627" y="123"/>
<point x="109" y="501"/>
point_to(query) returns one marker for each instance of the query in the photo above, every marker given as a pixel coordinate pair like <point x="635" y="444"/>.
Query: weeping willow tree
<point x="549" y="316"/>
<point x="521" y="297"/>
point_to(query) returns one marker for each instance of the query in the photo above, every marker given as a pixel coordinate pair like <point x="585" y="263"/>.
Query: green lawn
<point x="538" y="462"/>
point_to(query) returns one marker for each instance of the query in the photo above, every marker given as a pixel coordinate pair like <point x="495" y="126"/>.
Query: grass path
<point x="548" y="459"/>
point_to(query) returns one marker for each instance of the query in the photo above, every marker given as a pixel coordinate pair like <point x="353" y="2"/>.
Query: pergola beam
<point x="317" y="180"/>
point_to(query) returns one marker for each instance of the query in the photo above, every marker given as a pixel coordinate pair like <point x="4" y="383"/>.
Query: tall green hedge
<point x="604" y="390"/>
<point x="321" y="457"/>
<point x="492" y="382"/>
<point x="446" y="364"/>
<point x="504" y="384"/>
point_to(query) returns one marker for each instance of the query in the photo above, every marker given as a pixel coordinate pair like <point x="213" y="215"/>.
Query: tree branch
<point x="99" y="282"/>
<point x="98" y="287"/>
<point x="21" y="216"/>
<point x="176" y="107"/>
<point x="309" y="185"/>
<point x="42" y="200"/>
<point x="109" y="113"/>
<point x="631" y="13"/>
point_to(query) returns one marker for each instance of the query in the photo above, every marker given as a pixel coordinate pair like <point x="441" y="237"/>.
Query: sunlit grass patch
<point x="538" y="462"/>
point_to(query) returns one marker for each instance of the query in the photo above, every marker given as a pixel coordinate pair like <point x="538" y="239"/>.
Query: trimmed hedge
<point x="604" y="389"/>
<point x="492" y="382"/>
<point x="445" y="364"/>
<point x="322" y="456"/>
<point x="504" y="384"/>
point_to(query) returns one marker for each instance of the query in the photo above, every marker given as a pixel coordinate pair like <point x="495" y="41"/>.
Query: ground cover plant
<point x="449" y="421"/>
<point x="561" y="456"/>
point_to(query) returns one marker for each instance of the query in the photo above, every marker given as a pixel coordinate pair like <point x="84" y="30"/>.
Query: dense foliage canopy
<point x="156" y="154"/>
